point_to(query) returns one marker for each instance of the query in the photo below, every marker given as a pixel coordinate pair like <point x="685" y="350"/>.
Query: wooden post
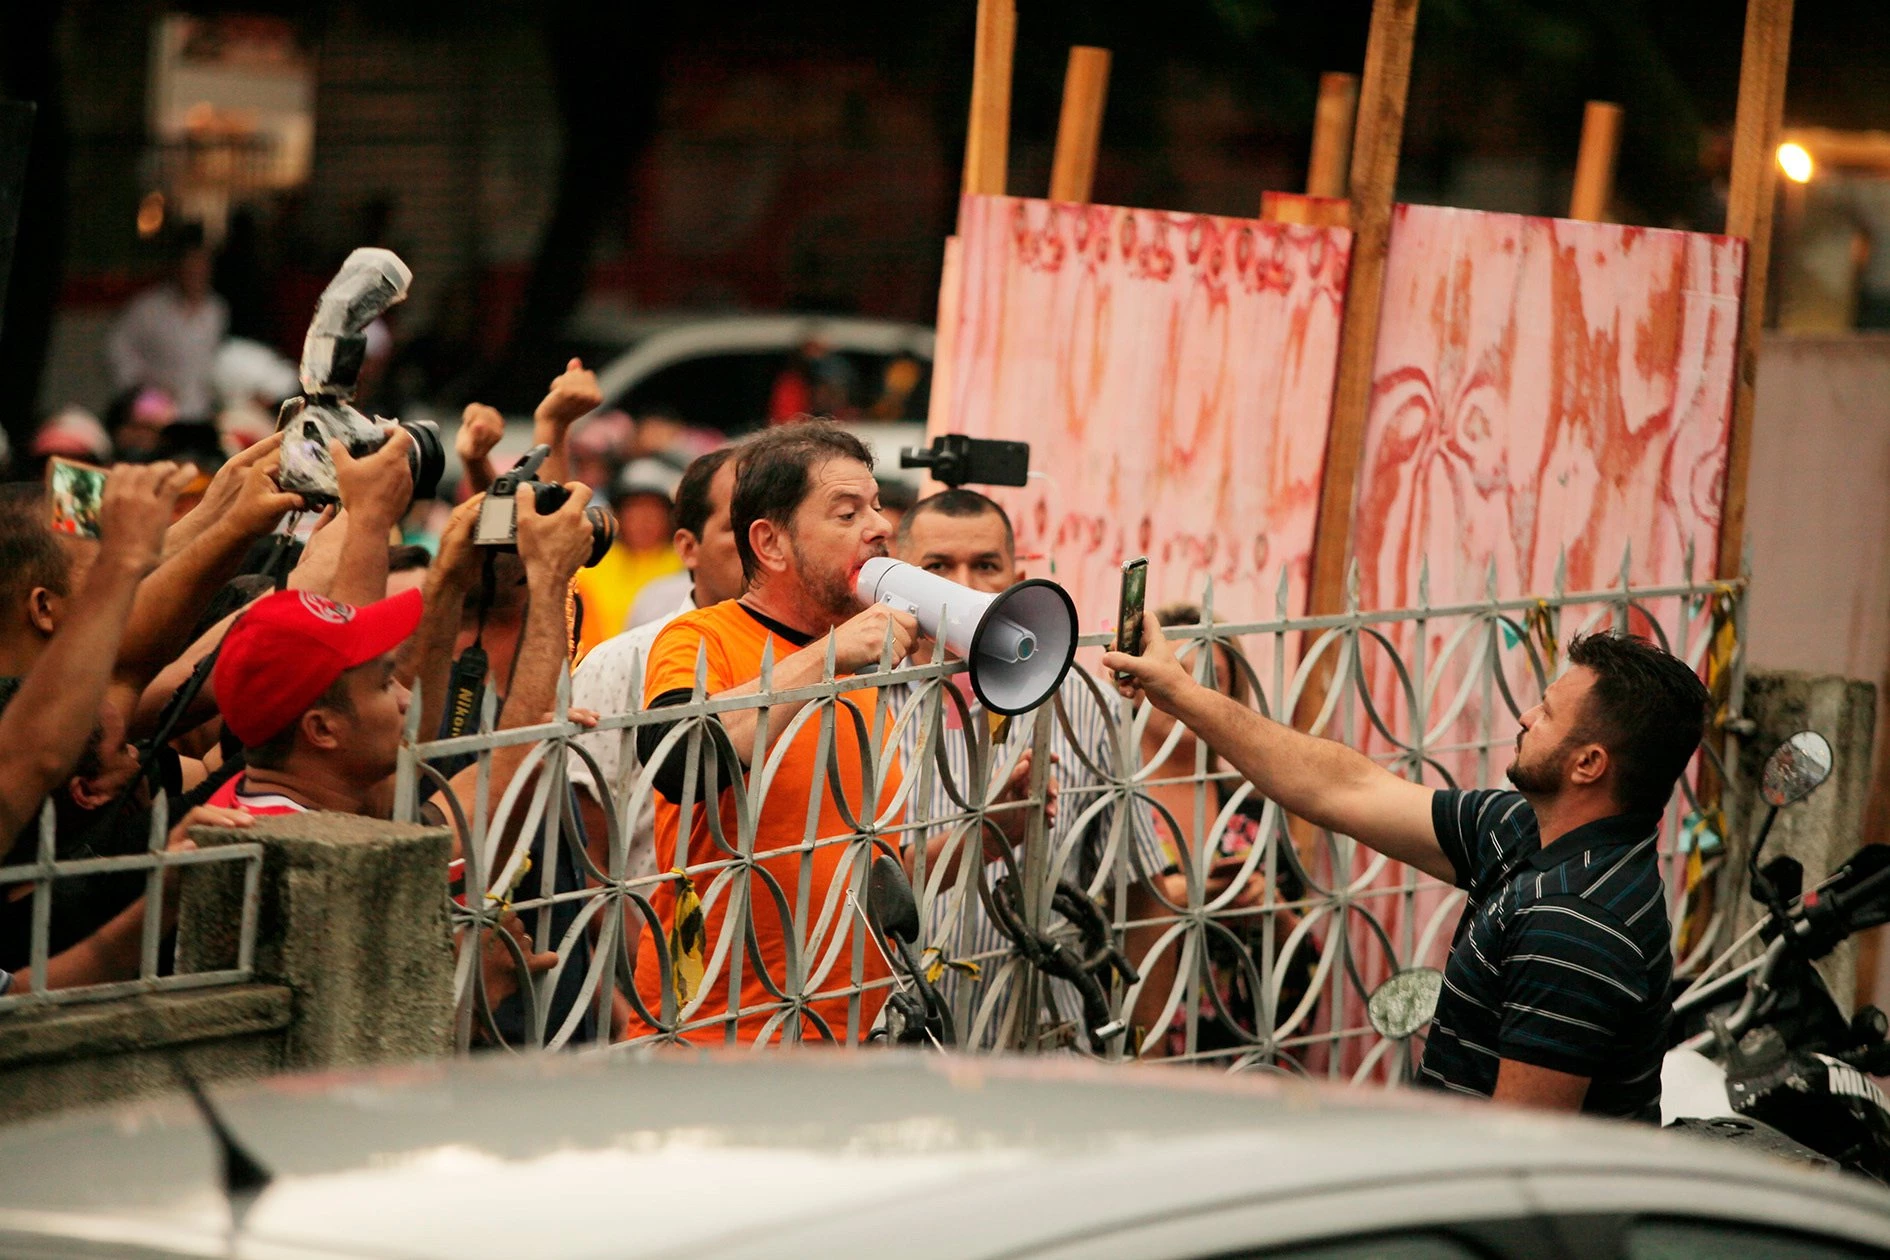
<point x="988" y="138"/>
<point x="1762" y="69"/>
<point x="1594" y="163"/>
<point x="1079" y="129"/>
<point x="1333" y="121"/>
<point x="1374" y="183"/>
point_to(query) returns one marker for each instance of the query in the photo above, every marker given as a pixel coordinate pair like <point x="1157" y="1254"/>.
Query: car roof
<point x="728" y="1154"/>
<point x="672" y="342"/>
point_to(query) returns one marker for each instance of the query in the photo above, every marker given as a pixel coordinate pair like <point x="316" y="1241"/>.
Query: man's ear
<point x="770" y="545"/>
<point x="318" y="727"/>
<point x="42" y="610"/>
<point x="686" y="545"/>
<point x="84" y="795"/>
<point x="1591" y="766"/>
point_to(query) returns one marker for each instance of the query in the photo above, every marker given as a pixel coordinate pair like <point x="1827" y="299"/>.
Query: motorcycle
<point x="1762" y="1055"/>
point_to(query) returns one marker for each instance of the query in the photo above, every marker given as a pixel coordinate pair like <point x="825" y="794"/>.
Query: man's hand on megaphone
<point x="859" y="642"/>
<point x="1157" y="673"/>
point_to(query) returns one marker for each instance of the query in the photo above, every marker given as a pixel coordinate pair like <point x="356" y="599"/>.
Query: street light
<point x="1795" y="161"/>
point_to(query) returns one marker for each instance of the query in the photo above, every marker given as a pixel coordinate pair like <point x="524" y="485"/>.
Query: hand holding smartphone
<point x="1129" y="611"/>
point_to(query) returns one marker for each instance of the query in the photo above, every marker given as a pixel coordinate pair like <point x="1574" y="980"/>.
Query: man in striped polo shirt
<point x="1556" y="991"/>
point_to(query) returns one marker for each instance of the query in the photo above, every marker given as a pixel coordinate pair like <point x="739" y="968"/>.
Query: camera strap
<point x="468" y="679"/>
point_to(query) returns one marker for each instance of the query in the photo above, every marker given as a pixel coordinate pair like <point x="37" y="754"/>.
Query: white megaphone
<point x="1019" y="643"/>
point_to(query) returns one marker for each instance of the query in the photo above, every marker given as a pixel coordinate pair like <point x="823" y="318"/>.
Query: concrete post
<point x="352" y="921"/>
<point x="1825" y="828"/>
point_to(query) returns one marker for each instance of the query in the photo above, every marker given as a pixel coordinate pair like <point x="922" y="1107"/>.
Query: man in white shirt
<point x="603" y="682"/>
<point x="168" y="337"/>
<point x="966" y="538"/>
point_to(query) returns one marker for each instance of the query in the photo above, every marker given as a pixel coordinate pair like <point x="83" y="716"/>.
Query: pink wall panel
<point x="1173" y="374"/>
<point x="1542" y="384"/>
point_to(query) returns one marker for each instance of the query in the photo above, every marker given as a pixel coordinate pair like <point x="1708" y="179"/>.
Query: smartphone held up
<point x="75" y="492"/>
<point x="1129" y="611"/>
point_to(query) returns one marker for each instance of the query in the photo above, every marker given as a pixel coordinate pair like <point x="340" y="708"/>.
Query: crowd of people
<point x="225" y="650"/>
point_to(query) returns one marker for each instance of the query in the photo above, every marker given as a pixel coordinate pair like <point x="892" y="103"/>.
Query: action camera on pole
<point x="369" y="282"/>
<point x="1019" y="643"/>
<point x="957" y="458"/>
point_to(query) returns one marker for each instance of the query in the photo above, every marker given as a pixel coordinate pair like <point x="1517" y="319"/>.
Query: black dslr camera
<point x="497" y="526"/>
<point x="369" y="282"/>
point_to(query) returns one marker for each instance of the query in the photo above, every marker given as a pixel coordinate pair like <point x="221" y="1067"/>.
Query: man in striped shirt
<point x="1556" y="990"/>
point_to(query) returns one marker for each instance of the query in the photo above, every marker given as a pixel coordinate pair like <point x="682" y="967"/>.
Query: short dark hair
<point x="30" y="554"/>
<point x="1648" y="709"/>
<point x="771" y="476"/>
<point x="959" y="503"/>
<point x="407" y="557"/>
<point x="898" y="494"/>
<point x="273" y="753"/>
<point x="692" y="492"/>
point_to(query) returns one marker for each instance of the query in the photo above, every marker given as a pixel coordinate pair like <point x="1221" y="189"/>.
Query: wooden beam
<point x="1594" y="163"/>
<point x="988" y="138"/>
<point x="1374" y="183"/>
<point x="1334" y="119"/>
<point x="1749" y="203"/>
<point x="1079" y="128"/>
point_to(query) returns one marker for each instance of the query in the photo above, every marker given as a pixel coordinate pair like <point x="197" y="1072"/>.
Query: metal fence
<point x="148" y="919"/>
<point x="1254" y="941"/>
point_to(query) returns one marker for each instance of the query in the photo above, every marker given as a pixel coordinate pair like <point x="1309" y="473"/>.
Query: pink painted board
<point x="1543" y="384"/>
<point x="1173" y="374"/>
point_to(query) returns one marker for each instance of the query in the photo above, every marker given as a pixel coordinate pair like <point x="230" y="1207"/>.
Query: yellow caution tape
<point x="686" y="939"/>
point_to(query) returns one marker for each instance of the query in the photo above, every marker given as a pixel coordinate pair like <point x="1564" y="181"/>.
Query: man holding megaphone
<point x="806" y="521"/>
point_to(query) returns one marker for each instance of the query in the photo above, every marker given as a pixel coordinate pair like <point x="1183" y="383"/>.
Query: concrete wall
<point x="353" y="965"/>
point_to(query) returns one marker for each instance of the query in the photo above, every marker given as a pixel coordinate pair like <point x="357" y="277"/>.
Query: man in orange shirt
<point x="805" y="512"/>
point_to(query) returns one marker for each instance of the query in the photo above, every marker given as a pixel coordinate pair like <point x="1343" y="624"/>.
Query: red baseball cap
<point x="289" y="648"/>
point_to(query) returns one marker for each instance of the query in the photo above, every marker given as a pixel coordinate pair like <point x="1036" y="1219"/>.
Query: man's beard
<point x="1543" y="777"/>
<point x="831" y="590"/>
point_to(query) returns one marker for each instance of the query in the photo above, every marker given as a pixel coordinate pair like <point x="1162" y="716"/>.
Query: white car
<point x="718" y="372"/>
<point x="887" y="1155"/>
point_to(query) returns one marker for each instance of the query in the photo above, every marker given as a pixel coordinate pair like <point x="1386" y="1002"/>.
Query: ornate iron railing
<point x="1255" y="940"/>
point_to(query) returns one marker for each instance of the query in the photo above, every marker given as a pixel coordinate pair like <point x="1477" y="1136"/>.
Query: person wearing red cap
<point x="312" y="687"/>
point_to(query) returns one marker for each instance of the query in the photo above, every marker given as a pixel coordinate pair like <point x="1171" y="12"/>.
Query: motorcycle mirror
<point x="889" y="900"/>
<point x="1796" y="769"/>
<point x="1405" y="1003"/>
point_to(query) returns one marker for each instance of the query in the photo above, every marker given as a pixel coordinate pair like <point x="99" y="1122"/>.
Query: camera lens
<point x="426" y="459"/>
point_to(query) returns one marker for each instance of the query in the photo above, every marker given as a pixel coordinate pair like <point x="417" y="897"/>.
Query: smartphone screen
<point x="75" y="491"/>
<point x="1129" y="611"/>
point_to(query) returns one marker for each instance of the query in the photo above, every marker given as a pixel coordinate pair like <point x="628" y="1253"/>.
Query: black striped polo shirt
<point x="1563" y="956"/>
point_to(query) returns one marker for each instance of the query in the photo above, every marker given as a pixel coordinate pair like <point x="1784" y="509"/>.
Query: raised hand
<point x="1158" y="673"/>
<point x="573" y="395"/>
<point x="136" y="509"/>
<point x="480" y="429"/>
<point x="554" y="547"/>
<point x="458" y="558"/>
<point x="257" y="503"/>
<point x="377" y="488"/>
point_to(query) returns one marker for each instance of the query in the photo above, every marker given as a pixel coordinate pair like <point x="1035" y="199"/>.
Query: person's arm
<point x="552" y="548"/>
<point x="124" y="351"/>
<point x="1526" y="1085"/>
<point x="573" y="395"/>
<point x="375" y="493"/>
<point x="428" y="655"/>
<point x="171" y="599"/>
<point x="56" y="709"/>
<point x="1322" y="781"/>
<point x="480" y="428"/>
